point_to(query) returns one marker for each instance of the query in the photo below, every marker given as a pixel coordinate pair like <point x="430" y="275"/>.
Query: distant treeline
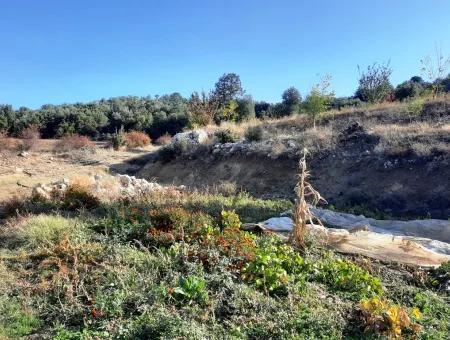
<point x="226" y="102"/>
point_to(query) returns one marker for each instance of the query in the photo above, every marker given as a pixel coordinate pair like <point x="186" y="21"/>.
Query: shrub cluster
<point x="171" y="113"/>
<point x="164" y="139"/>
<point x="380" y="317"/>
<point x="225" y="136"/>
<point x="274" y="266"/>
<point x="134" y="139"/>
<point x="173" y="150"/>
<point x="182" y="267"/>
<point x="72" y="142"/>
<point x="254" y="133"/>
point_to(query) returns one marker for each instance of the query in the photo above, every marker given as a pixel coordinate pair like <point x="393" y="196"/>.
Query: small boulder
<point x="194" y="137"/>
<point x="41" y="192"/>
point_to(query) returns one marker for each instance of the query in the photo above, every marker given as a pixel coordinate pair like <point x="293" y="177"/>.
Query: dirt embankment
<point x="387" y="173"/>
<point x="411" y="187"/>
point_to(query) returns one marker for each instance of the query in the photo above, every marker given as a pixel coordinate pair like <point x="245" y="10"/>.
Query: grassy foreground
<point x="177" y="265"/>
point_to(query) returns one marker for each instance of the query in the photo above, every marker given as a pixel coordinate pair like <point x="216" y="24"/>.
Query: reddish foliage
<point x="72" y="142"/>
<point x="173" y="223"/>
<point x="135" y="139"/>
<point x="164" y="139"/>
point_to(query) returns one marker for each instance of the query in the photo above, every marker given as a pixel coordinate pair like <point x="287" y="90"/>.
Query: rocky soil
<point x="352" y="174"/>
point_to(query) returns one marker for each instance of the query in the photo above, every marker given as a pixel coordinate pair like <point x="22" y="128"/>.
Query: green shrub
<point x="191" y="289"/>
<point x="160" y="227"/>
<point x="439" y="278"/>
<point x="444" y="268"/>
<point x="15" y="321"/>
<point x="374" y="83"/>
<point x="347" y="277"/>
<point x="415" y="106"/>
<point x="78" y="197"/>
<point x="47" y="230"/>
<point x="226" y="188"/>
<point x="248" y="208"/>
<point x="229" y="219"/>
<point x="409" y="89"/>
<point x="225" y="136"/>
<point x="163" y="323"/>
<point x="118" y="139"/>
<point x="435" y="311"/>
<point x="245" y="108"/>
<point x="85" y="334"/>
<point x="173" y="150"/>
<point x="254" y="133"/>
<point x="274" y="266"/>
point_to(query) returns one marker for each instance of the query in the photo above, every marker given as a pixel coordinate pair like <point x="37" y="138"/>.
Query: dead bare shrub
<point x="134" y="139"/>
<point x="302" y="213"/>
<point x="164" y="139"/>
<point x="13" y="206"/>
<point x="72" y="142"/>
<point x="30" y="136"/>
<point x="226" y="188"/>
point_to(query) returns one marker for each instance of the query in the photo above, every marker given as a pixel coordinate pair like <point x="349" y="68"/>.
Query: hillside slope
<point x="386" y="160"/>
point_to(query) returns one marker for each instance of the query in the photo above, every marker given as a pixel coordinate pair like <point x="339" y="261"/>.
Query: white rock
<point x="193" y="137"/>
<point x="283" y="224"/>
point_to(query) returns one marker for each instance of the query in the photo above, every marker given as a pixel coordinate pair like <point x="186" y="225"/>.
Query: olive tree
<point x="374" y="83"/>
<point x="319" y="98"/>
<point x="291" y="100"/>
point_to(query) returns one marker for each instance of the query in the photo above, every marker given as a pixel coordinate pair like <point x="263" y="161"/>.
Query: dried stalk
<point x="302" y="213"/>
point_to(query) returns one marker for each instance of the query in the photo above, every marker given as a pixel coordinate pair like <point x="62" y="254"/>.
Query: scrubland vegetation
<point x="175" y="264"/>
<point x="226" y="102"/>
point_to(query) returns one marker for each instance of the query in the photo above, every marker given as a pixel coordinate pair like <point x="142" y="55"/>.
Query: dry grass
<point x="225" y="188"/>
<point x="322" y="137"/>
<point x="105" y="188"/>
<point x="420" y="128"/>
<point x="164" y="139"/>
<point x="304" y="121"/>
<point x="421" y="137"/>
<point x="399" y="130"/>
<point x="9" y="144"/>
<point x="237" y="129"/>
<point x="72" y="142"/>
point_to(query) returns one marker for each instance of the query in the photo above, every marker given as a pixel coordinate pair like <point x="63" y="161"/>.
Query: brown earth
<point x="19" y="174"/>
<point x="379" y="163"/>
<point x="415" y="187"/>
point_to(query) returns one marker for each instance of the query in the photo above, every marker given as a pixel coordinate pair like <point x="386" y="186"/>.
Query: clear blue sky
<point x="68" y="51"/>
